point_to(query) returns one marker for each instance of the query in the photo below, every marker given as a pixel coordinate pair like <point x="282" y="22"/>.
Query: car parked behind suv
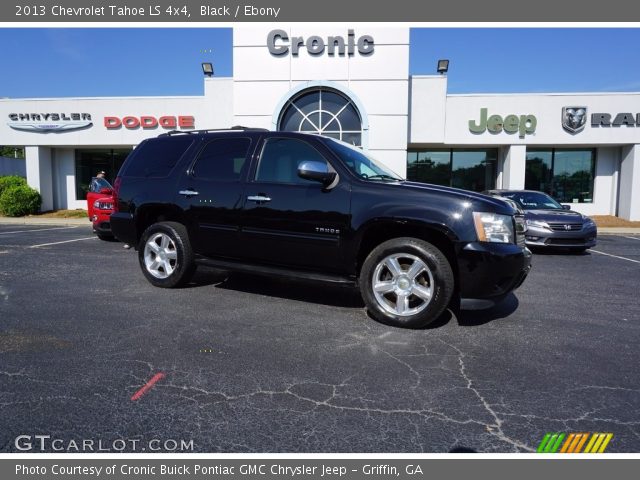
<point x="551" y="224"/>
<point x="100" y="207"/>
<point x="311" y="207"/>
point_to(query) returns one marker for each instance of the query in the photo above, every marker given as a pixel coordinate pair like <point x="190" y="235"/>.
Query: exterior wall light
<point x="443" y="66"/>
<point x="207" y="69"/>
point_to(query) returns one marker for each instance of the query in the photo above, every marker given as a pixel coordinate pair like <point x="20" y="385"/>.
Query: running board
<point x="257" y="269"/>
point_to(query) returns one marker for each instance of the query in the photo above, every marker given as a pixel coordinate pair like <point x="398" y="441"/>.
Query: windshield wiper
<point x="382" y="176"/>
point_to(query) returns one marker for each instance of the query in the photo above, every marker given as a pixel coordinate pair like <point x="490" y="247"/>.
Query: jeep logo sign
<point x="523" y="124"/>
<point x="279" y="44"/>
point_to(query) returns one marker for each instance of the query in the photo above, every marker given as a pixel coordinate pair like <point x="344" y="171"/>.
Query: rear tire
<point x="406" y="282"/>
<point x="165" y="255"/>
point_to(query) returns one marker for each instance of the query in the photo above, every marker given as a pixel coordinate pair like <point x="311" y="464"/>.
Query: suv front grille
<point x="565" y="227"/>
<point x="521" y="228"/>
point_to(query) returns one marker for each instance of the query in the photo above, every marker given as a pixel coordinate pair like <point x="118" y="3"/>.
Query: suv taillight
<point x="116" y="192"/>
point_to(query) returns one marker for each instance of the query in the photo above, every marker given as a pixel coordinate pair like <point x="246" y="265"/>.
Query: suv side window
<point x="222" y="159"/>
<point x="280" y="158"/>
<point x="157" y="158"/>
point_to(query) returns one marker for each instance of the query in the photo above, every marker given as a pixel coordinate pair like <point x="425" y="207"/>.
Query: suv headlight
<point x="102" y="205"/>
<point x="538" y="224"/>
<point x="588" y="223"/>
<point x="492" y="227"/>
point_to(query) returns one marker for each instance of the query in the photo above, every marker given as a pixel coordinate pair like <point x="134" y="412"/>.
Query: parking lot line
<point x="65" y="241"/>
<point x="36" y="230"/>
<point x="632" y="238"/>
<point x="615" y="256"/>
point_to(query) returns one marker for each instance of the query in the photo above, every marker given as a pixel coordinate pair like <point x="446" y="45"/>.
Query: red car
<point x="100" y="207"/>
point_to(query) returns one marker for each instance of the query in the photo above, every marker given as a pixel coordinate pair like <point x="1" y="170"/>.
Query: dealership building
<point x="353" y="84"/>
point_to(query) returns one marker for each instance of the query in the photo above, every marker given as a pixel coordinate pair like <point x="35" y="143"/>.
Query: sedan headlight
<point x="538" y="224"/>
<point x="492" y="227"/>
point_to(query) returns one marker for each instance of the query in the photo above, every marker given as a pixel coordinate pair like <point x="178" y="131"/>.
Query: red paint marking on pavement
<point x="148" y="386"/>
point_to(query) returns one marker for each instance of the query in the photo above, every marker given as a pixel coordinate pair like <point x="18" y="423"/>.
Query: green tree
<point x="11" y="152"/>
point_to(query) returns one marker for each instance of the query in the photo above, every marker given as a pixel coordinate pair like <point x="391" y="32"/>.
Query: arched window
<point x="322" y="111"/>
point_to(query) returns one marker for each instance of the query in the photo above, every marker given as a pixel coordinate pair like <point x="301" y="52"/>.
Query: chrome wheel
<point x="402" y="284"/>
<point x="160" y="255"/>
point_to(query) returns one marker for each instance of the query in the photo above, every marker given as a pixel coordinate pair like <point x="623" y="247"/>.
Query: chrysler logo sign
<point x="574" y="119"/>
<point x="49" y="122"/>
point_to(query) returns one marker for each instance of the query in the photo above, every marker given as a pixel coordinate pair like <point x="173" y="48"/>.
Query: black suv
<point x="311" y="207"/>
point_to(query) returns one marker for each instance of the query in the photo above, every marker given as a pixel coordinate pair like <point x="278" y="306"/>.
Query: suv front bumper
<point x="123" y="227"/>
<point x="491" y="270"/>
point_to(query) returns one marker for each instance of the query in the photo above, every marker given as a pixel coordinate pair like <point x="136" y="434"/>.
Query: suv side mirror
<point x="316" y="171"/>
<point x="566" y="207"/>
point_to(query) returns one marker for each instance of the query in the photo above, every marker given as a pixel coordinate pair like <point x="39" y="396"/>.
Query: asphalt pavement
<point x="251" y="364"/>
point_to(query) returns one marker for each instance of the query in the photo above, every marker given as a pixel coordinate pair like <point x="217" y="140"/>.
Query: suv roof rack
<point x="234" y="128"/>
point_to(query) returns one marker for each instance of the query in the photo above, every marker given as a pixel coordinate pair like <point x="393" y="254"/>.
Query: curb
<point x="618" y="230"/>
<point x="44" y="221"/>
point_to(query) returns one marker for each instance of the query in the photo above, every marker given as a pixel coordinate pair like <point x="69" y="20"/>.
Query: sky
<point x="85" y="62"/>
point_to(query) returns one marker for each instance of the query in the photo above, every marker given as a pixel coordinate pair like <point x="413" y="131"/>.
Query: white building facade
<point x="353" y="84"/>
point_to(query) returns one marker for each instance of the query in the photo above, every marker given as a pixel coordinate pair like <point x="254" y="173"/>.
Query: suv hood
<point x="493" y="204"/>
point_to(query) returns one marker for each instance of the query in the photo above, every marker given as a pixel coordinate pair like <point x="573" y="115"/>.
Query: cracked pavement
<point x="263" y="365"/>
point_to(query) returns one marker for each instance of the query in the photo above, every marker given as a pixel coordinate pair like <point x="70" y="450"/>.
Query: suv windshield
<point x="533" y="200"/>
<point x="98" y="184"/>
<point x="361" y="164"/>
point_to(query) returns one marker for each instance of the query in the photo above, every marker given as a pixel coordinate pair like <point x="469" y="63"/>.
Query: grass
<point x="79" y="213"/>
<point x="611" y="221"/>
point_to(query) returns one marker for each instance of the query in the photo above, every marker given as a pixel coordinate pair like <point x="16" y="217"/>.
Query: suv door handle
<point x="188" y="193"/>
<point x="258" y="198"/>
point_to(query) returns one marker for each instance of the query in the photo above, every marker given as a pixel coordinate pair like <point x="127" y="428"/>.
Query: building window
<point x="470" y="169"/>
<point x="90" y="162"/>
<point x="566" y="175"/>
<point x="322" y="111"/>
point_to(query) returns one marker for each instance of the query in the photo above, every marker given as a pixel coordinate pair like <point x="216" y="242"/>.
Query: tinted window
<point x="470" y="169"/>
<point x="157" y="157"/>
<point x="430" y="166"/>
<point x="222" y="159"/>
<point x="474" y="170"/>
<point x="280" y="159"/>
<point x="98" y="183"/>
<point x="533" y="200"/>
<point x="361" y="164"/>
<point x="566" y="175"/>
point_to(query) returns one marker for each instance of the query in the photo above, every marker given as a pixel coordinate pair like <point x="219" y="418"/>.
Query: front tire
<point x="165" y="255"/>
<point x="406" y="282"/>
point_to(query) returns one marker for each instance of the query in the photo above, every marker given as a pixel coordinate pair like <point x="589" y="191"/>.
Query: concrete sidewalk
<point x="85" y="221"/>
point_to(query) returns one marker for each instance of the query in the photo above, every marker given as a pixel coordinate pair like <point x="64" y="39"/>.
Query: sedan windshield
<point x="533" y="200"/>
<point x="360" y="164"/>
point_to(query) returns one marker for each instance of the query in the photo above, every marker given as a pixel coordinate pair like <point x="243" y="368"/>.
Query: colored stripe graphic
<point x="550" y="443"/>
<point x="148" y="386"/>
<point x="574" y="442"/>
<point x="598" y="442"/>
